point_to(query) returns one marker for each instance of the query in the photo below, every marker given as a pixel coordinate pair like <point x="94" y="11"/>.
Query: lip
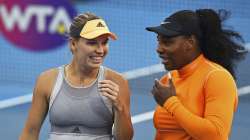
<point x="96" y="59"/>
<point x="164" y="59"/>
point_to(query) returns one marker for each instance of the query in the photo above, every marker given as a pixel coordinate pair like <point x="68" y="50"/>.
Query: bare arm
<point x="123" y="124"/>
<point x="39" y="108"/>
<point x="116" y="88"/>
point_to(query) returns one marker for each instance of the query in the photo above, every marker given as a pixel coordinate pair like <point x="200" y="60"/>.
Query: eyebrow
<point x="161" y="38"/>
<point x="106" y="40"/>
<point x="94" y="40"/>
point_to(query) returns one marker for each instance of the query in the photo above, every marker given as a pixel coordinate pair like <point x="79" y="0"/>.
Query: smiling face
<point x="173" y="52"/>
<point x="89" y="53"/>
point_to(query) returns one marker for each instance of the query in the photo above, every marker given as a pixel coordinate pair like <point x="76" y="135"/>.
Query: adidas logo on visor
<point x="100" y="25"/>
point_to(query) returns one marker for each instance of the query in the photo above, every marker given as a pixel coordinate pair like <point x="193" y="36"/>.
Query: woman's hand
<point x="162" y="92"/>
<point x="111" y="90"/>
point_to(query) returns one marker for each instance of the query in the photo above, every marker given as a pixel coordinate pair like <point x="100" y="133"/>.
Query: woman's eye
<point x="105" y="42"/>
<point x="91" y="43"/>
<point x="167" y="43"/>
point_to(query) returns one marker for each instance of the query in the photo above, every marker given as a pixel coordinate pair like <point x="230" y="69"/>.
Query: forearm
<point x="29" y="135"/>
<point x="123" y="125"/>
<point x="203" y="128"/>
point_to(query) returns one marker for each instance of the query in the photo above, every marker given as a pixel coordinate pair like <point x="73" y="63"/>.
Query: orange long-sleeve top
<point x="203" y="108"/>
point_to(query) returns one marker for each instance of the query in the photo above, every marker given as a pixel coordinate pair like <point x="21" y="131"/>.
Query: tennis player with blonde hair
<point x="83" y="98"/>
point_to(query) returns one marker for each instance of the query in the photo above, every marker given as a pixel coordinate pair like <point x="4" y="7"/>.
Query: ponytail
<point x="222" y="46"/>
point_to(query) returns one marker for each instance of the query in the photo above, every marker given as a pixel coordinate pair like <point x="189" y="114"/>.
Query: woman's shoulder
<point x="216" y="69"/>
<point x="111" y="74"/>
<point x="216" y="73"/>
<point x="46" y="80"/>
<point x="49" y="74"/>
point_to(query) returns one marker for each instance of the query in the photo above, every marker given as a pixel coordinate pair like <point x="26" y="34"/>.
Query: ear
<point x="190" y="43"/>
<point x="72" y="45"/>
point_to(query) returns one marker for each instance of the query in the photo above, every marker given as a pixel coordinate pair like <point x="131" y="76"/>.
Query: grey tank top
<point x="79" y="113"/>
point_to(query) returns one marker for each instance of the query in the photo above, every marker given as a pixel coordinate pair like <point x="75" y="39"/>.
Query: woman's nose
<point x="159" y="49"/>
<point x="99" y="48"/>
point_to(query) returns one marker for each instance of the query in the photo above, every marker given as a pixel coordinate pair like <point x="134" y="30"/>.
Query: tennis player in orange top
<point x="198" y="100"/>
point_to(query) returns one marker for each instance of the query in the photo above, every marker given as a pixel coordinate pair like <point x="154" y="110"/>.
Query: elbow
<point x="218" y="133"/>
<point x="130" y="133"/>
<point x="130" y="137"/>
<point x="216" y="136"/>
<point x="125" y="136"/>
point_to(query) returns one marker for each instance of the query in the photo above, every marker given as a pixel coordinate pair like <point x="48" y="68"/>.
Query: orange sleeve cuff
<point x="171" y="104"/>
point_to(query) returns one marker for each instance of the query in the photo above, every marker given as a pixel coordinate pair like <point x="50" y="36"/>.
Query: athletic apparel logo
<point x="165" y="22"/>
<point x="99" y="25"/>
<point x="35" y="25"/>
<point x="76" y="130"/>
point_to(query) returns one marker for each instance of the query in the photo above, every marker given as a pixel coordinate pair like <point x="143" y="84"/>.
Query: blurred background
<point x="32" y="39"/>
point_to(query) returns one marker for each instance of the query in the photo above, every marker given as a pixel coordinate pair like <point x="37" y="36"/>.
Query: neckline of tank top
<point x="81" y="87"/>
